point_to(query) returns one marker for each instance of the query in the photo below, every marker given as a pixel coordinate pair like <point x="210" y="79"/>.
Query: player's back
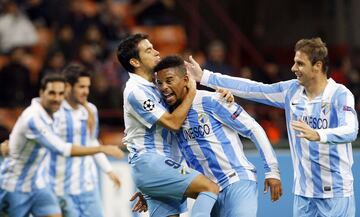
<point x="143" y="107"/>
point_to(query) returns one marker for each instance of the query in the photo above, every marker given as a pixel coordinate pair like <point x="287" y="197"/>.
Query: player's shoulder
<point x="92" y="107"/>
<point x="338" y="88"/>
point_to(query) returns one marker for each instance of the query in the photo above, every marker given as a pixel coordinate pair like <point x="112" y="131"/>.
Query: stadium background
<point x="252" y="39"/>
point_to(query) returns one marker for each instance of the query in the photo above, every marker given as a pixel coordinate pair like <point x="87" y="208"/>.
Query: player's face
<point x="80" y="91"/>
<point x="149" y="57"/>
<point x="303" y="68"/>
<point x="52" y="96"/>
<point x="171" y="85"/>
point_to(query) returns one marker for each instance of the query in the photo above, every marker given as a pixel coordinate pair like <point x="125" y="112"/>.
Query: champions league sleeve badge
<point x="148" y="105"/>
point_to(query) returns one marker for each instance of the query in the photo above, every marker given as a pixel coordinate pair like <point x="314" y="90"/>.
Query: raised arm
<point x="270" y="94"/>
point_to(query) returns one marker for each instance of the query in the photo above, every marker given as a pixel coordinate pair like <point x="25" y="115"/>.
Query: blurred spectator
<point x="270" y="73"/>
<point x="114" y="26"/>
<point x="15" y="28"/>
<point x="38" y="11"/>
<point x="246" y="72"/>
<point x="15" y="86"/>
<point x="64" y="42"/>
<point x="54" y="63"/>
<point x="87" y="57"/>
<point x="216" y="58"/>
<point x="114" y="73"/>
<point x="154" y="12"/>
<point x="78" y="18"/>
<point x="341" y="69"/>
<point x="94" y="38"/>
<point x="103" y="95"/>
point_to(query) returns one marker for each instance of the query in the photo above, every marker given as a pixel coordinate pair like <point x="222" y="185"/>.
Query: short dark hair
<point x="128" y="49"/>
<point x="49" y="78"/>
<point x="171" y="62"/>
<point x="74" y="71"/>
<point x="316" y="50"/>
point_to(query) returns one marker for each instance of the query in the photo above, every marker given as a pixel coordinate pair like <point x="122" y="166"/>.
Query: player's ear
<point x="134" y="62"/>
<point x="318" y="65"/>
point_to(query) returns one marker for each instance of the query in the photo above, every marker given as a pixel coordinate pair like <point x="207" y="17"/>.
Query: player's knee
<point x="201" y="184"/>
<point x="206" y="185"/>
<point x="212" y="187"/>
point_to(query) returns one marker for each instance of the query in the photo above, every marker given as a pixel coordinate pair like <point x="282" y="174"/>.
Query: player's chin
<point x="171" y="102"/>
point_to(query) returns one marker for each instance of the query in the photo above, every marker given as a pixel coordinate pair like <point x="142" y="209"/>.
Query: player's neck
<point x="144" y="74"/>
<point x="316" y="88"/>
<point x="72" y="103"/>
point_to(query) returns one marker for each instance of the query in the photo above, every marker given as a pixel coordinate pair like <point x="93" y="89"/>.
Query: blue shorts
<point x="4" y="204"/>
<point x="166" y="207"/>
<point x="328" y="207"/>
<point x="86" y="204"/>
<point x="239" y="199"/>
<point x="41" y="202"/>
<point x="162" y="180"/>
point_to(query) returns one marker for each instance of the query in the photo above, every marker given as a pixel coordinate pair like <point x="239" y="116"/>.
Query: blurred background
<point x="251" y="39"/>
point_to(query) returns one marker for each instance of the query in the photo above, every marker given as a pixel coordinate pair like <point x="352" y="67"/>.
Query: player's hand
<point x="4" y="148"/>
<point x="112" y="150"/>
<point x="275" y="188"/>
<point x="191" y="87"/>
<point x="305" y="130"/>
<point x="140" y="205"/>
<point x="226" y="95"/>
<point x="115" y="179"/>
<point x="194" y="69"/>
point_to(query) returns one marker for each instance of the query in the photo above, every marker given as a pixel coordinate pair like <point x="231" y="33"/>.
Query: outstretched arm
<point x="270" y="94"/>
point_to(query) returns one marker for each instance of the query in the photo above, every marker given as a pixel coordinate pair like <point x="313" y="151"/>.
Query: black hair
<point x="49" y="78"/>
<point x="171" y="62"/>
<point x="128" y="49"/>
<point x="74" y="71"/>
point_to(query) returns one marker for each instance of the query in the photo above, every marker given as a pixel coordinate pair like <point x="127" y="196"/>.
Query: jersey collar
<point x="46" y="117"/>
<point x="140" y="80"/>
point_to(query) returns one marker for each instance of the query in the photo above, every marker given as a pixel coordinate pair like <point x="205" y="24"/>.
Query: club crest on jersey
<point x="203" y="118"/>
<point x="148" y="105"/>
<point x="325" y="108"/>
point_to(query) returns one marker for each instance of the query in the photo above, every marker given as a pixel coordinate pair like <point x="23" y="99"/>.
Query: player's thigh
<point x="238" y="199"/>
<point x="68" y="208"/>
<point x="304" y="207"/>
<point x="88" y="204"/>
<point x="45" y="203"/>
<point x="164" y="207"/>
<point x="158" y="176"/>
<point x="334" y="207"/>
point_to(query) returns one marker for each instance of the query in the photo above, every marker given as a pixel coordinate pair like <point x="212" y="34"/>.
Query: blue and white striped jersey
<point x="76" y="175"/>
<point x="321" y="169"/>
<point x="210" y="142"/>
<point x="143" y="107"/>
<point x="31" y="140"/>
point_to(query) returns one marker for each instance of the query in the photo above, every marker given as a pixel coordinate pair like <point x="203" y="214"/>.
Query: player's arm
<point x="346" y="130"/>
<point x="174" y="120"/>
<point x="270" y="94"/>
<point x="239" y="120"/>
<point x="104" y="164"/>
<point x="38" y="131"/>
<point x="4" y="148"/>
<point x="147" y="110"/>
